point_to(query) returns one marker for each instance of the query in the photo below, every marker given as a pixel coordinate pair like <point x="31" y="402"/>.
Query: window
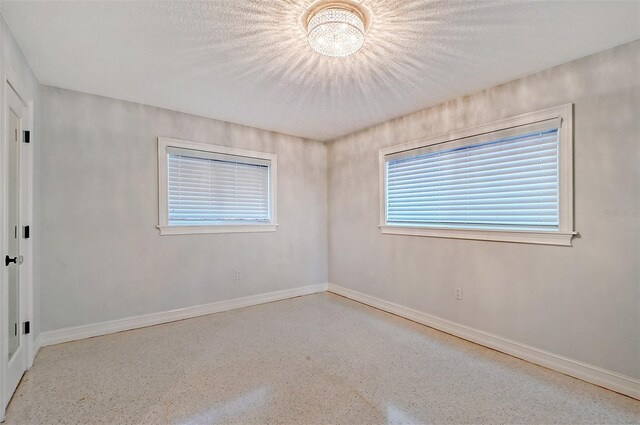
<point x="215" y="189"/>
<point x="507" y="181"/>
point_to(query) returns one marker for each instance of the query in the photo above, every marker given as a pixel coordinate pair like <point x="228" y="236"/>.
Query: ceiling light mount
<point x="336" y="28"/>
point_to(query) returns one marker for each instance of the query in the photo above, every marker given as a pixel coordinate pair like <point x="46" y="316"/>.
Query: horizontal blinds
<point x="506" y="183"/>
<point x="205" y="188"/>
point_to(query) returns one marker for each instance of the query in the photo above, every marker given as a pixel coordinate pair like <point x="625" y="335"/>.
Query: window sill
<point x="532" y="237"/>
<point x="223" y="228"/>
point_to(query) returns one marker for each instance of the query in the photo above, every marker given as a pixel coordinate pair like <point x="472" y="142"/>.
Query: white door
<point x="16" y="353"/>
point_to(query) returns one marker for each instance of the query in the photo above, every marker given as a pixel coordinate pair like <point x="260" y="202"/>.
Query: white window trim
<point x="561" y="237"/>
<point x="163" y="211"/>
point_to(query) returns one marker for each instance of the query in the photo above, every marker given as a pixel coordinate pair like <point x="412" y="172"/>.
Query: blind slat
<point x="470" y="202"/>
<point x="495" y="181"/>
<point x="215" y="191"/>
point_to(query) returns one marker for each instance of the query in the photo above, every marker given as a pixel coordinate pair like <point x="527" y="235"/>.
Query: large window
<point x="509" y="181"/>
<point x="214" y="189"/>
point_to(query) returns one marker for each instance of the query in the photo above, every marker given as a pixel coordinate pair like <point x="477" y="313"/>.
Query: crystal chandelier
<point x="336" y="29"/>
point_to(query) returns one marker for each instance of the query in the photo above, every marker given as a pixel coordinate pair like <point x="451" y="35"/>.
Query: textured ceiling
<point x="248" y="62"/>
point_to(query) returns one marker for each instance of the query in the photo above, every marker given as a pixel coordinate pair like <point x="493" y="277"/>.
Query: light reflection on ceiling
<point x="249" y="62"/>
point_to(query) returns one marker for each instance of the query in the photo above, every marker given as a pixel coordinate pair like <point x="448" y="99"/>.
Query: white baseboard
<point x="35" y="347"/>
<point x="605" y="378"/>
<point x="104" y="328"/>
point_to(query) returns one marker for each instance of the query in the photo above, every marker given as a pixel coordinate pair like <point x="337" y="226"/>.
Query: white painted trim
<point x="104" y="328"/>
<point x="223" y="228"/>
<point x="35" y="349"/>
<point x="608" y="379"/>
<point x="566" y="231"/>
<point x="163" y="213"/>
<point x="520" y="236"/>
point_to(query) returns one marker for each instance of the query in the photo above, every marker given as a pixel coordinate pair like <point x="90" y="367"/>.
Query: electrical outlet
<point x="238" y="274"/>
<point x="458" y="293"/>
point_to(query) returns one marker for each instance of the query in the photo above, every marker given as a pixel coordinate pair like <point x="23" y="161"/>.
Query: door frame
<point x="10" y="81"/>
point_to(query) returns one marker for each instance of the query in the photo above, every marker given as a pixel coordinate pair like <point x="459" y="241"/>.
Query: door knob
<point x="8" y="260"/>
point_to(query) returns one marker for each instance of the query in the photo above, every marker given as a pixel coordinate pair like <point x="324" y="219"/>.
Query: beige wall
<point x="100" y="256"/>
<point x="582" y="302"/>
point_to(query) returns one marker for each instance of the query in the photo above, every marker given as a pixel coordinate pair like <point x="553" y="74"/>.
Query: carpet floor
<point x="318" y="359"/>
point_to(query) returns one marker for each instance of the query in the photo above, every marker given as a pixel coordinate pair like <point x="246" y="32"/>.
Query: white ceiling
<point x="248" y="62"/>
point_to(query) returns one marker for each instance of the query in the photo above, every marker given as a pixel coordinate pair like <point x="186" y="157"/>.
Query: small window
<point x="214" y="189"/>
<point x="508" y="181"/>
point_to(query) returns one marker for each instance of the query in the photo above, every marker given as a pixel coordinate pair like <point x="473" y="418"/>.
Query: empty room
<point x="309" y="212"/>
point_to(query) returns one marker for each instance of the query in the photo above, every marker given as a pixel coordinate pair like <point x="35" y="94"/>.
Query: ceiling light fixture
<point x="336" y="29"/>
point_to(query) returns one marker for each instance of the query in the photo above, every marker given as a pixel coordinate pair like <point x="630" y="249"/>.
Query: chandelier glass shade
<point x="336" y="30"/>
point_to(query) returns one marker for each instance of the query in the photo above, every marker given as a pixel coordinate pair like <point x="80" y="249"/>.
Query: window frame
<point x="163" y="182"/>
<point x="563" y="236"/>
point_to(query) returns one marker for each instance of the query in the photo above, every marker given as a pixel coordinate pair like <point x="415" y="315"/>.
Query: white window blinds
<point x="501" y="180"/>
<point x="206" y="188"/>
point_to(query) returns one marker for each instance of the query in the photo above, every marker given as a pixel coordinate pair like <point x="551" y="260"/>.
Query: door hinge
<point x="27" y="327"/>
<point x="27" y="136"/>
<point x="26" y="232"/>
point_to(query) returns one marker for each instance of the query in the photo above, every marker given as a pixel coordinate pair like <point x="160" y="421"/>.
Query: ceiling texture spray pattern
<point x="249" y="62"/>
